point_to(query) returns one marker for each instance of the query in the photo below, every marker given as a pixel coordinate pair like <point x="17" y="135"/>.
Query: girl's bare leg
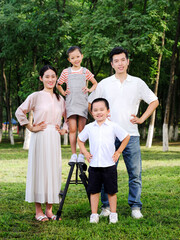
<point x="39" y="211"/>
<point x="72" y="132"/>
<point x="81" y="124"/>
<point x="94" y="199"/>
<point x="112" y="202"/>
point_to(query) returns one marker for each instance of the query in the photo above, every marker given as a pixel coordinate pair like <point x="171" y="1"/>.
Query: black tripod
<point x="84" y="180"/>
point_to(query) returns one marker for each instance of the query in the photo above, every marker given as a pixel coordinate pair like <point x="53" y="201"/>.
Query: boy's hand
<point x="88" y="156"/>
<point x="116" y="156"/>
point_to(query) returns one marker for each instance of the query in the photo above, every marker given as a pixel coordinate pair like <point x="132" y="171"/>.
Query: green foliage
<point x="34" y="33"/>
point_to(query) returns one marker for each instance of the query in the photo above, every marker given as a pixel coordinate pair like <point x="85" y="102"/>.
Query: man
<point x="124" y="93"/>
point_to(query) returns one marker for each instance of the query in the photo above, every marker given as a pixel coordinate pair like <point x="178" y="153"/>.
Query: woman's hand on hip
<point x="37" y="128"/>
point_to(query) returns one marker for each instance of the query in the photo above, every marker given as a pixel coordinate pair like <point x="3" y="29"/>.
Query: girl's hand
<point x="39" y="127"/>
<point x="66" y="92"/>
<point x="61" y="131"/>
<point x="116" y="156"/>
<point x="88" y="156"/>
<point x="85" y="90"/>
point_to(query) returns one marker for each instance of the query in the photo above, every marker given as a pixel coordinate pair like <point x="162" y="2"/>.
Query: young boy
<point x="102" y="156"/>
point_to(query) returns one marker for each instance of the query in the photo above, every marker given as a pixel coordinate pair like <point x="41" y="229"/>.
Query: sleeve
<point x="146" y="94"/>
<point x="120" y="133"/>
<point x="24" y="108"/>
<point x="83" y="135"/>
<point x="63" y="78"/>
<point x="65" y="124"/>
<point x="97" y="93"/>
<point x="89" y="75"/>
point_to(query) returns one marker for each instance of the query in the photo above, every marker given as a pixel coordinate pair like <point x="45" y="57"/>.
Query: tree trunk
<point x="144" y="132"/>
<point x="99" y="68"/>
<point x="66" y="139"/>
<point x="171" y="127"/>
<point x="1" y="102"/>
<point x="20" y="129"/>
<point x="144" y="8"/>
<point x="176" y="133"/>
<point x="91" y="65"/>
<point x="153" y="116"/>
<point x="171" y="84"/>
<point x="176" y="128"/>
<point x="8" y="108"/>
<point x="177" y="116"/>
<point x="28" y="133"/>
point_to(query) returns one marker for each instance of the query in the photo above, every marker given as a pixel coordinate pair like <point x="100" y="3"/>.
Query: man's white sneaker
<point x="80" y="158"/>
<point x="94" y="218"/>
<point x="73" y="158"/>
<point x="105" y="212"/>
<point x="136" y="213"/>
<point x="113" y="218"/>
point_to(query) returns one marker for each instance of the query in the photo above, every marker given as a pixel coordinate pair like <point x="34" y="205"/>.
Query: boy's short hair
<point x="100" y="100"/>
<point x="118" y="50"/>
<point x="72" y="49"/>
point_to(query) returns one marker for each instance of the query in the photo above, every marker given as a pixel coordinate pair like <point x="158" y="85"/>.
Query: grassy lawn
<point x="160" y="197"/>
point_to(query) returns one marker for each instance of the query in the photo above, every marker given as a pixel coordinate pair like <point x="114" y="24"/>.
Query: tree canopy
<point x="37" y="32"/>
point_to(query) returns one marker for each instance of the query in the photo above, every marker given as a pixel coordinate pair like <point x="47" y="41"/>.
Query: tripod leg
<point x="84" y="179"/>
<point x="65" y="191"/>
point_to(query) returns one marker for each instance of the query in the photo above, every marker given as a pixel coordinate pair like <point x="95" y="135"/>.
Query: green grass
<point x="160" y="197"/>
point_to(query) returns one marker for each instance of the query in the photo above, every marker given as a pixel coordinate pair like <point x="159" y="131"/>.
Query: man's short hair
<point x="118" y="50"/>
<point x="100" y="100"/>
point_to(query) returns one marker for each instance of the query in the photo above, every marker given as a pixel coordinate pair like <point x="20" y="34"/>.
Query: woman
<point x="44" y="159"/>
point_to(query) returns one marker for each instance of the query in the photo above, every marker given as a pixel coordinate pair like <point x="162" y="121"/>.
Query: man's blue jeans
<point x="132" y="159"/>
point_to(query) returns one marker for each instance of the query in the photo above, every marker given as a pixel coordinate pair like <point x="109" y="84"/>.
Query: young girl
<point x="44" y="160"/>
<point x="76" y="93"/>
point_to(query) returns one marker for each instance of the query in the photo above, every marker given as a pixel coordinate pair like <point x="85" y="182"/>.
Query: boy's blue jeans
<point x="132" y="159"/>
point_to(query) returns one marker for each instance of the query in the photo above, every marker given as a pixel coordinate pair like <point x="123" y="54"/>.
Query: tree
<point x="152" y="119"/>
<point x="171" y="85"/>
<point x="8" y="106"/>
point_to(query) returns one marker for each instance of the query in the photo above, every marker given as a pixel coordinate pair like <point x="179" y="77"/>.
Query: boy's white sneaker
<point x="80" y="158"/>
<point x="94" y="218"/>
<point x="136" y="213"/>
<point x="105" y="212"/>
<point x="73" y="158"/>
<point x="113" y="218"/>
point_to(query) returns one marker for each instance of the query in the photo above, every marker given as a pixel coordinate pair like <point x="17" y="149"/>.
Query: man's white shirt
<point x="124" y="99"/>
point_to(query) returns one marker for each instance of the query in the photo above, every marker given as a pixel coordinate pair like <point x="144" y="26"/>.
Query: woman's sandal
<point x="40" y="218"/>
<point x="52" y="218"/>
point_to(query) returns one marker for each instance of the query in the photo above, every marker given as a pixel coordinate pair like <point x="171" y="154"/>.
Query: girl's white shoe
<point x="94" y="218"/>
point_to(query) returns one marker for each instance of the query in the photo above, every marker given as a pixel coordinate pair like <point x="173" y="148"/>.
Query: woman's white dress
<point x="44" y="159"/>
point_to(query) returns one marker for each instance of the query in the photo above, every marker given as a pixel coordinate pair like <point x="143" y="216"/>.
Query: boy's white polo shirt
<point x="101" y="141"/>
<point x="124" y="99"/>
